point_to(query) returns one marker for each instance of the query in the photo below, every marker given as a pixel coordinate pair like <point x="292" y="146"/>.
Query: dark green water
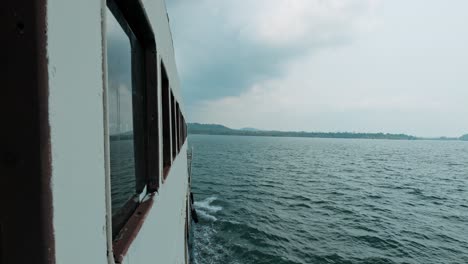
<point x="303" y="200"/>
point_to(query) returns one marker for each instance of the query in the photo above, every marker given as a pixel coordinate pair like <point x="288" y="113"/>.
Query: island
<point x="216" y="129"/>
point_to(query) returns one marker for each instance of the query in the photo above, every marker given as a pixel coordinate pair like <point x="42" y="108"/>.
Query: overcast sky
<point x="397" y="66"/>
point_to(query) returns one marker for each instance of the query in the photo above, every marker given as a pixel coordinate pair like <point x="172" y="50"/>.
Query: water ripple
<point x="296" y="200"/>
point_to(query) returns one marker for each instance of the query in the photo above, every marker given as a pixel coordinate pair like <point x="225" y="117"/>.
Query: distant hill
<point x="214" y="129"/>
<point x="210" y="129"/>
<point x="249" y="129"/>
<point x="464" y="137"/>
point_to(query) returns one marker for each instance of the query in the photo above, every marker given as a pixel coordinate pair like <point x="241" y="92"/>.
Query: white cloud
<point x="354" y="65"/>
<point x="302" y="22"/>
<point x="203" y="25"/>
<point x="332" y="91"/>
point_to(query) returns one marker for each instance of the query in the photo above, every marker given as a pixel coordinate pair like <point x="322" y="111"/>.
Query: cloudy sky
<point x="397" y="66"/>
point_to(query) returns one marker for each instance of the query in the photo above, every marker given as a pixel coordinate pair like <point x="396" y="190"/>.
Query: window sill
<point x="129" y="232"/>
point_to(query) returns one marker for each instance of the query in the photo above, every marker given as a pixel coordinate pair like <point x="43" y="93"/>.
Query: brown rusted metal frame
<point x="120" y="217"/>
<point x="25" y="149"/>
<point x="132" y="16"/>
<point x="129" y="232"/>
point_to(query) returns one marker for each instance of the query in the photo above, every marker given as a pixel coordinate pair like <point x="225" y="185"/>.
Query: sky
<point x="394" y="66"/>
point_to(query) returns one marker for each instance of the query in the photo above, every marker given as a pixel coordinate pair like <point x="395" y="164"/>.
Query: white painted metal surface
<point x="76" y="103"/>
<point x="161" y="239"/>
<point x="76" y="111"/>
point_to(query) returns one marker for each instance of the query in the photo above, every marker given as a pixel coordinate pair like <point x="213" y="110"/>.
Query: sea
<point x="310" y="200"/>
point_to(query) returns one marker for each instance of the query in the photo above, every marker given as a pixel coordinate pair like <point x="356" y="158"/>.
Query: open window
<point x="131" y="109"/>
<point x="177" y="114"/>
<point x="179" y="126"/>
<point x="183" y="129"/>
<point x="166" y="120"/>
<point x="173" y="126"/>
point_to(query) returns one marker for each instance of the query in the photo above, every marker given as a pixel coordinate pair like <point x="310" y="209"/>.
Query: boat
<point x="94" y="161"/>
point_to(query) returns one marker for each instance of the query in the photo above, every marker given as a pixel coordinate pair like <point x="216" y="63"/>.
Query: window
<point x="131" y="108"/>
<point x="178" y="127"/>
<point x="173" y="127"/>
<point x="183" y="129"/>
<point x="121" y="122"/>
<point x="184" y="132"/>
<point x="166" y="120"/>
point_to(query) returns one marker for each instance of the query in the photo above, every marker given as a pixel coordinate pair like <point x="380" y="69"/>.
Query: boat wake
<point x="206" y="250"/>
<point x="206" y="210"/>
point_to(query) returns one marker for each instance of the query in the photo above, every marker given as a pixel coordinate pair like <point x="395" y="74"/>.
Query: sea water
<point x="308" y="200"/>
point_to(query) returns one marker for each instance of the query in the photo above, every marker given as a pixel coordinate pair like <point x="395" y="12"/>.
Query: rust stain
<point x="129" y="232"/>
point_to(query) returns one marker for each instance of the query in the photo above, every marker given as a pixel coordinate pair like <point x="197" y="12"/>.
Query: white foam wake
<point x="206" y="215"/>
<point x="206" y="205"/>
<point x="204" y="208"/>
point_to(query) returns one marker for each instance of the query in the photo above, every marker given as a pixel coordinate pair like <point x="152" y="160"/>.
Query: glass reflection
<point x="120" y="109"/>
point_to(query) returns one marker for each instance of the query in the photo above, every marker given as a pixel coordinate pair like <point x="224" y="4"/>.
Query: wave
<point x="206" y="205"/>
<point x="206" y="215"/>
<point x="321" y="205"/>
<point x="205" y="209"/>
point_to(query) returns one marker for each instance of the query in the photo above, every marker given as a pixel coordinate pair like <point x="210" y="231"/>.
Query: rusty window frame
<point x="133" y="20"/>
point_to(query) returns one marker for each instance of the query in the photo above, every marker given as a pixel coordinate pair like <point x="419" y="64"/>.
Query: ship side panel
<point x="161" y="239"/>
<point x="77" y="134"/>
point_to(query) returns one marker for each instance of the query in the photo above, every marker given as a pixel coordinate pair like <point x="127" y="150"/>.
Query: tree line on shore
<point x="216" y="129"/>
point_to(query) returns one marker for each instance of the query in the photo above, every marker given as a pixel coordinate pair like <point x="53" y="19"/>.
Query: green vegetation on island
<point x="214" y="129"/>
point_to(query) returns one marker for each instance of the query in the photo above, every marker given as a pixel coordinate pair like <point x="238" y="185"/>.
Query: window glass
<point x="120" y="111"/>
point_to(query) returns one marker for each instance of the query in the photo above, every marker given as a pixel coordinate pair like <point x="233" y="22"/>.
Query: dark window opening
<point x="183" y="129"/>
<point x="166" y="120"/>
<point x="184" y="132"/>
<point x="180" y="130"/>
<point x="152" y="121"/>
<point x="178" y="127"/>
<point x="1" y="244"/>
<point x="173" y="127"/>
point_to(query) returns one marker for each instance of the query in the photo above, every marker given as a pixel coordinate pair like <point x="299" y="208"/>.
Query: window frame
<point x="166" y="121"/>
<point x="173" y="126"/>
<point x="133" y="20"/>
<point x="184" y="126"/>
<point x="177" y="121"/>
